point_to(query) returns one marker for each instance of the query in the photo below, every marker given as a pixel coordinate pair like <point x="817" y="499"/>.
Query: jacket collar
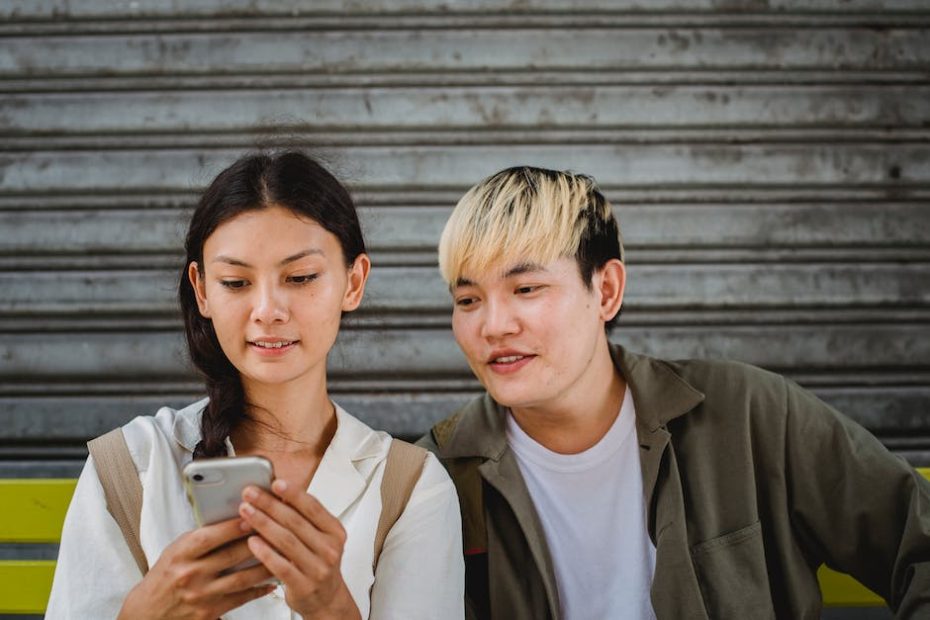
<point x="659" y="395"/>
<point x="340" y="478"/>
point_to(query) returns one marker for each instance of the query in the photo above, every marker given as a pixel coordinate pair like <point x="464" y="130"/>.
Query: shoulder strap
<point x="122" y="488"/>
<point x="401" y="472"/>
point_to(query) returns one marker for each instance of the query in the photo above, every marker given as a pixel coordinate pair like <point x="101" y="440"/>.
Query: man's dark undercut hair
<point x="600" y="242"/>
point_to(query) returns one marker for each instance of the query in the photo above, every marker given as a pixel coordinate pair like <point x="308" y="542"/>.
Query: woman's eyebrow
<point x="230" y="261"/>
<point x="290" y="259"/>
<point x="299" y="255"/>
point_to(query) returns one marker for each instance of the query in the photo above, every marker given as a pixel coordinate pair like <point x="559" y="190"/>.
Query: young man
<point x="598" y="483"/>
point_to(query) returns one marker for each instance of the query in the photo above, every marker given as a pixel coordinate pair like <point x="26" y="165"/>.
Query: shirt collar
<point x="339" y="481"/>
<point x="186" y="427"/>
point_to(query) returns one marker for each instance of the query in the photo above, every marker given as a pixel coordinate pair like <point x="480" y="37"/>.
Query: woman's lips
<point x="273" y="349"/>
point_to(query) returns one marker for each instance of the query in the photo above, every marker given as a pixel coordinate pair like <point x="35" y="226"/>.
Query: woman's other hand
<point x="301" y="544"/>
<point x="186" y="581"/>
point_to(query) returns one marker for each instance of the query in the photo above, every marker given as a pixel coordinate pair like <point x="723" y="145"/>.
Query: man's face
<point x="529" y="331"/>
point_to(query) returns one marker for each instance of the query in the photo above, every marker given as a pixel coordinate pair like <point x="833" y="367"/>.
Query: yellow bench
<point x="35" y="509"/>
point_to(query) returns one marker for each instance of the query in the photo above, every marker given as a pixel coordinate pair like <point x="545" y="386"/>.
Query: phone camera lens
<point x="198" y="477"/>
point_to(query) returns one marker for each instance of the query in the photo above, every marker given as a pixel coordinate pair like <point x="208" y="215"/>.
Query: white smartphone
<point x="214" y="486"/>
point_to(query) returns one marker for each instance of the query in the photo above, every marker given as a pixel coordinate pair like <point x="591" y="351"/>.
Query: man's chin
<point x="509" y="398"/>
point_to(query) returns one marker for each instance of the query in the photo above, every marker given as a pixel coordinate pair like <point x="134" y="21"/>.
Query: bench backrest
<point x="34" y="511"/>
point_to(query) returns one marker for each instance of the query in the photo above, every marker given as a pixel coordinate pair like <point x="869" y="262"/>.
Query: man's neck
<point x="582" y="416"/>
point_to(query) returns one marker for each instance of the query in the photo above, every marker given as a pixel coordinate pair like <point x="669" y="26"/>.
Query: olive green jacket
<point x="751" y="483"/>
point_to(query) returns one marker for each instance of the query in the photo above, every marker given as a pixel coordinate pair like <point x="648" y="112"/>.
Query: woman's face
<point x="275" y="285"/>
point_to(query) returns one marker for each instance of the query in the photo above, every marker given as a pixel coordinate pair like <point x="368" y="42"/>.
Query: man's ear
<point x="358" y="276"/>
<point x="200" y="289"/>
<point x="610" y="281"/>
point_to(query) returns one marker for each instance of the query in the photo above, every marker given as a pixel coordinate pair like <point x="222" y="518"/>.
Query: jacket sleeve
<point x="860" y="509"/>
<point x="421" y="573"/>
<point x="95" y="568"/>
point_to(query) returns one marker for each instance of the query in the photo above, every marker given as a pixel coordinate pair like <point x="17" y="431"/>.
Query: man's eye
<point x="233" y="284"/>
<point x="304" y="279"/>
<point x="525" y="290"/>
<point x="464" y="302"/>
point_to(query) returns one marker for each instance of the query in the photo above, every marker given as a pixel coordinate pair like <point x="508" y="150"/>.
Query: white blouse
<point x="420" y="573"/>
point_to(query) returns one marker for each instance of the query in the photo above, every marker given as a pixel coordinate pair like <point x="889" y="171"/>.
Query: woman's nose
<point x="270" y="305"/>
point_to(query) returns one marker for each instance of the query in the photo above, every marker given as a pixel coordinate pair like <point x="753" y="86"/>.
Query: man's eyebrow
<point x="519" y="268"/>
<point x="290" y="259"/>
<point x="522" y="268"/>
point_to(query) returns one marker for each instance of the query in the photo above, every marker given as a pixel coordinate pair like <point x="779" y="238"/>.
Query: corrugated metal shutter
<point x="769" y="161"/>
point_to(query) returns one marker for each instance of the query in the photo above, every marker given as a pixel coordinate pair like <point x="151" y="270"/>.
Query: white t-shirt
<point x="421" y="572"/>
<point x="594" y="517"/>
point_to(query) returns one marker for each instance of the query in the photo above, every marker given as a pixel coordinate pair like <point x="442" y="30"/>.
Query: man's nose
<point x="499" y="319"/>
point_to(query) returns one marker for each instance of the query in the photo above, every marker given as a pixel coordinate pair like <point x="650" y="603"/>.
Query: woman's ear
<point x="610" y="281"/>
<point x="200" y="289"/>
<point x="358" y="276"/>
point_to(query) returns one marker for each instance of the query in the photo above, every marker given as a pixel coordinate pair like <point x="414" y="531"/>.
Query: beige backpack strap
<point x="121" y="485"/>
<point x="401" y="472"/>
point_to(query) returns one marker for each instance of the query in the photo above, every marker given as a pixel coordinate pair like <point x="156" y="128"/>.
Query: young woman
<point x="275" y="256"/>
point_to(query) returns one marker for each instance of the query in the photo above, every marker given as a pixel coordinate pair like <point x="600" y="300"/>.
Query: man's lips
<point x="507" y="362"/>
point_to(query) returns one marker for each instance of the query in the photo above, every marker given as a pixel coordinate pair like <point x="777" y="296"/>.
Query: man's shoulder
<point x="729" y="393"/>
<point x="440" y="435"/>
<point x="725" y="378"/>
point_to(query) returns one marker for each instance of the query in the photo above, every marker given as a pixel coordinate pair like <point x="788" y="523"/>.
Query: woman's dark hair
<point x="290" y="180"/>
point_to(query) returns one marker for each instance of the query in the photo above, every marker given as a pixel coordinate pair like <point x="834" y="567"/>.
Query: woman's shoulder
<point x="358" y="440"/>
<point x="366" y="442"/>
<point x="169" y="429"/>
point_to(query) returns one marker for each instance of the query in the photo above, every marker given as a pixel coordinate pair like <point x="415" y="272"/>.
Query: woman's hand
<point x="186" y="581"/>
<point x="301" y="544"/>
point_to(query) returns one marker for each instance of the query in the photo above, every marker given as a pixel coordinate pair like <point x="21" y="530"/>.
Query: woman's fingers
<point x="291" y="573"/>
<point x="287" y="542"/>
<point x="226" y="556"/>
<point x="309" y="507"/>
<point x="269" y="512"/>
<point x="241" y="580"/>
<point x="238" y="599"/>
<point x="301" y="544"/>
<point x="203" y="540"/>
<point x="274" y="508"/>
<point x="310" y="585"/>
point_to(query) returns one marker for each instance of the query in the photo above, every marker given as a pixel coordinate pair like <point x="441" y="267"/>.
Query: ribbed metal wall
<point x="770" y="163"/>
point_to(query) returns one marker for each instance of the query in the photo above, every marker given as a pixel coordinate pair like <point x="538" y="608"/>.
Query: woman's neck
<point x="295" y="417"/>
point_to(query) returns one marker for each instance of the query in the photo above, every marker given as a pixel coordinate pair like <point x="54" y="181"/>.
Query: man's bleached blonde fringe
<point x="524" y="214"/>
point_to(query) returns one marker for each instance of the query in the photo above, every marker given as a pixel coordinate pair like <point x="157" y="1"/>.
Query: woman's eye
<point x="233" y="284"/>
<point x="304" y="279"/>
